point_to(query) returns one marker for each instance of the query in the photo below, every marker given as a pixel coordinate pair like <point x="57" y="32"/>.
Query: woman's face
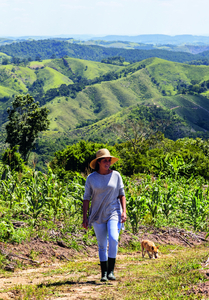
<point x="104" y="164"/>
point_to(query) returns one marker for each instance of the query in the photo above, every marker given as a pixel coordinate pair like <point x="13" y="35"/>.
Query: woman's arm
<point x="123" y="204"/>
<point x="85" y="210"/>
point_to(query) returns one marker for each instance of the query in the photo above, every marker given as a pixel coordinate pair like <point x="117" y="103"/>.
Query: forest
<point x="46" y="49"/>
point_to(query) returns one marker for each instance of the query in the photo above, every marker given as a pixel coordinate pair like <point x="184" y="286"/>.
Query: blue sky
<point x="103" y="17"/>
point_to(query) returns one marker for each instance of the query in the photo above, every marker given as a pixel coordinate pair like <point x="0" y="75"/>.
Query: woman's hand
<point x="85" y="209"/>
<point x="123" y="204"/>
<point x="85" y="223"/>
<point x="123" y="217"/>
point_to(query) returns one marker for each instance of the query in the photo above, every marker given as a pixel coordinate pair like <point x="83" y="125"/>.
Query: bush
<point x="13" y="159"/>
<point x="76" y="158"/>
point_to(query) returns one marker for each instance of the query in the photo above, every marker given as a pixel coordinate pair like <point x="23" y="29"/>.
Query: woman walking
<point x="104" y="188"/>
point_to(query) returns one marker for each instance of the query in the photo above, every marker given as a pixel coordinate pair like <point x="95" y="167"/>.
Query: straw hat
<point x="102" y="153"/>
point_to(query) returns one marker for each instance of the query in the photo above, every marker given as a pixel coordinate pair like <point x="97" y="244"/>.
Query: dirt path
<point x="56" y="265"/>
<point x="73" y="286"/>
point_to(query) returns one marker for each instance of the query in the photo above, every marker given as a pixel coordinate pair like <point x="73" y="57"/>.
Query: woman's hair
<point x="97" y="165"/>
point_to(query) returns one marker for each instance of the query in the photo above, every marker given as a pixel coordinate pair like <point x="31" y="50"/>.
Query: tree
<point x="139" y="135"/>
<point x="13" y="159"/>
<point x="5" y="61"/>
<point x="138" y="138"/>
<point x="15" y="60"/>
<point x="26" y="120"/>
<point x="38" y="57"/>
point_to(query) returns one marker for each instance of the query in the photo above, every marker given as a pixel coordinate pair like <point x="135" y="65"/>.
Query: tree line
<point x="45" y="49"/>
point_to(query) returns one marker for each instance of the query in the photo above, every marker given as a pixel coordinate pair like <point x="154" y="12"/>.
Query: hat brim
<point x="93" y="162"/>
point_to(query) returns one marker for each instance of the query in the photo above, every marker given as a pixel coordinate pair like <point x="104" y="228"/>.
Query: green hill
<point x="4" y="56"/>
<point x="86" y="99"/>
<point x="168" y="75"/>
<point x="39" y="77"/>
<point x="106" y="131"/>
<point x="145" y="86"/>
<point x="53" y="73"/>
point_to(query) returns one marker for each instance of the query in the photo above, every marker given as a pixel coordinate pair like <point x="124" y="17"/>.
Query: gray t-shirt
<point x="104" y="192"/>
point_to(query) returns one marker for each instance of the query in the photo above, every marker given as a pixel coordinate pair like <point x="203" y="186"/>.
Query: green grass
<point x="24" y="74"/>
<point x="6" y="92"/>
<point x="52" y="78"/>
<point x="191" y="108"/>
<point x="90" y="69"/>
<point x="65" y="114"/>
<point x="14" y="79"/>
<point x="36" y="64"/>
<point x="80" y="67"/>
<point x="167" y="74"/>
<point x="3" y="55"/>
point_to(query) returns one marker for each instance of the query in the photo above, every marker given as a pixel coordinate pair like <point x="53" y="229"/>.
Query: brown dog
<point x="149" y="247"/>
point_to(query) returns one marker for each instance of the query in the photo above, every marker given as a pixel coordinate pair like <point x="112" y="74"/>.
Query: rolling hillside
<point x="110" y="95"/>
<point x="15" y="80"/>
<point x="145" y="86"/>
<point x="53" y="72"/>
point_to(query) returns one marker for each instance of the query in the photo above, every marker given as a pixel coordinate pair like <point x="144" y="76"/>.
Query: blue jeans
<point x="104" y="232"/>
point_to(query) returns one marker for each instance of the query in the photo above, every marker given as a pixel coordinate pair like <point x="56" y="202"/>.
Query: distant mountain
<point x="45" y="49"/>
<point x="180" y="43"/>
<point x="158" y="39"/>
<point x="83" y="37"/>
<point x="154" y="39"/>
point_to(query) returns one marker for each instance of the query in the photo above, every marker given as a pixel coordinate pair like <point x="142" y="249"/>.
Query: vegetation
<point x="92" y="84"/>
<point x="116" y="60"/>
<point x="92" y="99"/>
<point x="26" y="120"/>
<point x="174" y="191"/>
<point x="46" y="49"/>
<point x="153" y="115"/>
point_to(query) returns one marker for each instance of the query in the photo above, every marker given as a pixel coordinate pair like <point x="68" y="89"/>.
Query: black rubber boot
<point x="103" y="265"/>
<point x="110" y="271"/>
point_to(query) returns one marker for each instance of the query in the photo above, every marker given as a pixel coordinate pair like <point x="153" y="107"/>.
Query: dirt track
<point x="49" y="266"/>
